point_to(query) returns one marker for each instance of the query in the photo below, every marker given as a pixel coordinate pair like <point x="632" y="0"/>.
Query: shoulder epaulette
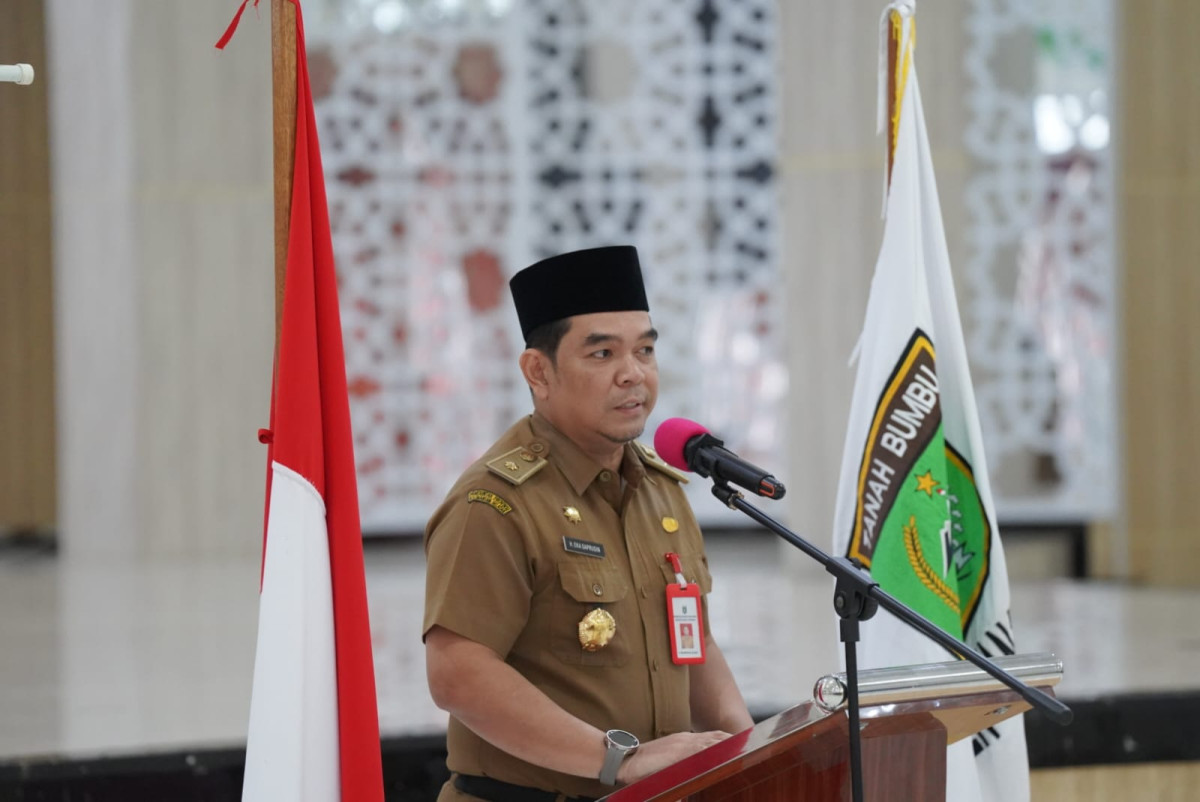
<point x="516" y="466"/>
<point x="652" y="459"/>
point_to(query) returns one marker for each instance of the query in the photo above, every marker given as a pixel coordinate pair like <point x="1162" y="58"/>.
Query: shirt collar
<point x="579" y="469"/>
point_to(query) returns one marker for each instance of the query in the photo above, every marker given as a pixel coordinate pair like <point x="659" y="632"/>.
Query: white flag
<point x="914" y="502"/>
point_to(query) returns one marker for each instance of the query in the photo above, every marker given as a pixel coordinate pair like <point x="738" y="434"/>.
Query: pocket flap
<point x="593" y="583"/>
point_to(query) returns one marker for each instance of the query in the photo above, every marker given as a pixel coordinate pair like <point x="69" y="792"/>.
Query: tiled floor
<point x="107" y="659"/>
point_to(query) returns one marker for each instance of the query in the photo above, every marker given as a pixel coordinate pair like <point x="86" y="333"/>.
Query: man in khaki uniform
<point x="546" y="629"/>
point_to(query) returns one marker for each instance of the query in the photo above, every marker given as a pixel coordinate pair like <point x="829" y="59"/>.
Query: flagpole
<point x="893" y="48"/>
<point x="283" y="108"/>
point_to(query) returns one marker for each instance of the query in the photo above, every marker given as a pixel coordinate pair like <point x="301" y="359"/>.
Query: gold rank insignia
<point x="596" y="630"/>
<point x="656" y="462"/>
<point x="670" y="524"/>
<point x="516" y="466"/>
<point x="572" y="515"/>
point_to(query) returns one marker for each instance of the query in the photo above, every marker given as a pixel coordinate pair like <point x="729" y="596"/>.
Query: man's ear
<point x="536" y="368"/>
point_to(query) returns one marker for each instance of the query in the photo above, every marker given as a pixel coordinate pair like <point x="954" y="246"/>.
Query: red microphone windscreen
<point x="670" y="438"/>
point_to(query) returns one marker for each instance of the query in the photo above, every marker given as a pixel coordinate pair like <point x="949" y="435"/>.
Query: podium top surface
<point x="954" y="697"/>
<point x="952" y="678"/>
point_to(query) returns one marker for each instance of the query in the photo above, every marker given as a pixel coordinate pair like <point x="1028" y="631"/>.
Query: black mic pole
<point x="856" y="597"/>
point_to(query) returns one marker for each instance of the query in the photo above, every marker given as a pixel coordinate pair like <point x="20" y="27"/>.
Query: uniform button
<point x="605" y="476"/>
<point x="537" y="448"/>
<point x="597" y="589"/>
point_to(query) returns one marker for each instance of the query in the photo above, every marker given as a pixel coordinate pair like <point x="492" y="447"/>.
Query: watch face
<point x="622" y="739"/>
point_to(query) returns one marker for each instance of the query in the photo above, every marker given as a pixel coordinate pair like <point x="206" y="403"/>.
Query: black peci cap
<point x="579" y="283"/>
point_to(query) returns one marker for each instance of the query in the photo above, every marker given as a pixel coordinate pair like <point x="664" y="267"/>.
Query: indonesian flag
<point x="914" y="502"/>
<point x="314" y="726"/>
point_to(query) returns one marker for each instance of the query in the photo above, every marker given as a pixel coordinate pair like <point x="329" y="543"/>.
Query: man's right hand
<point x="655" y="755"/>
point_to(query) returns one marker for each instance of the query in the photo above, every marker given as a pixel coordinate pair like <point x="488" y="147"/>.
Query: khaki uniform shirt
<point x="499" y="574"/>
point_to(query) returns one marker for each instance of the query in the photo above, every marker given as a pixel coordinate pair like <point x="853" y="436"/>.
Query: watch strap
<point x="613" y="758"/>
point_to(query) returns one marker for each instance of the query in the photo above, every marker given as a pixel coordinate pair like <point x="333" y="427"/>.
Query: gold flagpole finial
<point x="901" y="36"/>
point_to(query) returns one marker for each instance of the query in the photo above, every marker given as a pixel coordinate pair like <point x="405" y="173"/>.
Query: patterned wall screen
<point x="464" y="139"/>
<point x="1040" y="273"/>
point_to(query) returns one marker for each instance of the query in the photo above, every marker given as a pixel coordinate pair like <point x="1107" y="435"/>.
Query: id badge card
<point x="685" y="620"/>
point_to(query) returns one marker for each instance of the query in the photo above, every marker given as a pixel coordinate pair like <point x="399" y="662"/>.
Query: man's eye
<point x="648" y="350"/>
<point x="603" y="353"/>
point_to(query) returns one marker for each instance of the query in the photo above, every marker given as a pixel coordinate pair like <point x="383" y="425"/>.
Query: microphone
<point x="688" y="446"/>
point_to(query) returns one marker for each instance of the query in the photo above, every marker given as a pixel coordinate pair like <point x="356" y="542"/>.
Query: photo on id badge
<point x="686" y="619"/>
<point x="687" y="638"/>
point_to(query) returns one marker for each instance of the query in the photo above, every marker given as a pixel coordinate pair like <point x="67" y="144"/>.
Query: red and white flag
<point x="314" y="725"/>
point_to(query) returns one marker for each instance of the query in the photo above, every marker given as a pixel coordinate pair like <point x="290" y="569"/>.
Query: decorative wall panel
<point x="1038" y="288"/>
<point x="463" y="140"/>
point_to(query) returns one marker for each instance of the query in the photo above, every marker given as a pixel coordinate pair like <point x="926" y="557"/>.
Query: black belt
<point x="496" y="791"/>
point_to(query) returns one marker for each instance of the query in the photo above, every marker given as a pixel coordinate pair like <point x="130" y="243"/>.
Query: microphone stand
<point x="856" y="597"/>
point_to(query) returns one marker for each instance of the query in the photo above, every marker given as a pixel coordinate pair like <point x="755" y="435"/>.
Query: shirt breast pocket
<point x="583" y="588"/>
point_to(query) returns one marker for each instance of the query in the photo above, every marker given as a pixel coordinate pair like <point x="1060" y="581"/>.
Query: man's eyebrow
<point x="597" y="337"/>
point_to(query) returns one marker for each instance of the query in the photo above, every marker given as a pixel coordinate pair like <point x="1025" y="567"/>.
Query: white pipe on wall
<point x="16" y="74"/>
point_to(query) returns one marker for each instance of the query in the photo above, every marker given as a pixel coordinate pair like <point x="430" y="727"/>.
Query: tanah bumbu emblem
<point x="920" y="526"/>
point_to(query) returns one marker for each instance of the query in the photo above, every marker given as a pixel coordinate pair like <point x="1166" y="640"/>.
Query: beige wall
<point x="164" y="287"/>
<point x="1159" y="233"/>
<point x="27" y="476"/>
<point x="1145" y="782"/>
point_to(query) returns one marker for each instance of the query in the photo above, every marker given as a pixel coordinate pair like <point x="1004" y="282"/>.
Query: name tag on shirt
<point x="584" y="547"/>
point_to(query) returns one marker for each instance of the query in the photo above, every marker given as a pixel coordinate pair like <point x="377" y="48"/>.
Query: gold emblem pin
<point x="670" y="524"/>
<point x="596" y="630"/>
<point x="512" y="466"/>
<point x="527" y="456"/>
<point x="572" y="515"/>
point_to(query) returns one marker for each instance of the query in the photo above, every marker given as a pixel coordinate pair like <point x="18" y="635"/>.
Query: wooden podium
<point x="908" y="715"/>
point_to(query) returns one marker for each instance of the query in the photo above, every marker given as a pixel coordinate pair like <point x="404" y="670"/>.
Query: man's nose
<point x="631" y="371"/>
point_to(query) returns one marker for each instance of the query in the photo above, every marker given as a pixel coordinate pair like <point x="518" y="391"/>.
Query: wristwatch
<point x="620" y="745"/>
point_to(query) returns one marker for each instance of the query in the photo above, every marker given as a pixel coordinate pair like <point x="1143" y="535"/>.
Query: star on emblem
<point x="572" y="515"/>
<point x="927" y="483"/>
